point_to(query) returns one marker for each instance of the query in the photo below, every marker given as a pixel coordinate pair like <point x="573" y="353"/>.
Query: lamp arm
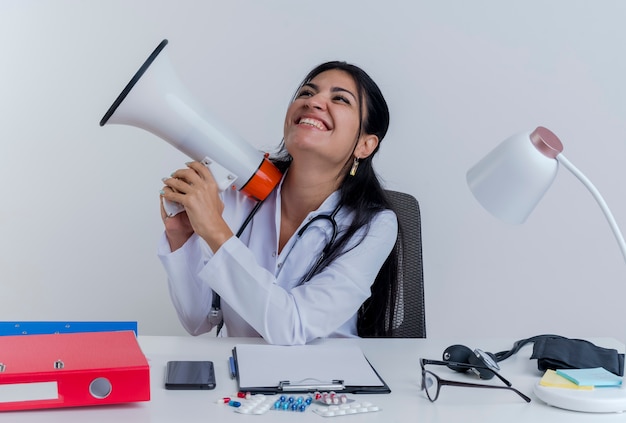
<point x="596" y="194"/>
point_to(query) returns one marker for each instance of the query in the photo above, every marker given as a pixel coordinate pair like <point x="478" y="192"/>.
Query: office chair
<point x="408" y="316"/>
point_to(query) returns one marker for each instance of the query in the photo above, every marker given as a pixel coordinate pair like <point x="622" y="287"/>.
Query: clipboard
<point x="273" y="369"/>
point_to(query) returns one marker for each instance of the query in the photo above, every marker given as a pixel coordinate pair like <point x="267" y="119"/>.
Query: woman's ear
<point x="366" y="146"/>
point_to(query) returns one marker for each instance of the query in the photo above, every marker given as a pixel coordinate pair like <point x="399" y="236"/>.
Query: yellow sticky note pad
<point x="553" y="380"/>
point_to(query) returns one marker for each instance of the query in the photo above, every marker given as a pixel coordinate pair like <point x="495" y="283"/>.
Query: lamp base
<point x="599" y="400"/>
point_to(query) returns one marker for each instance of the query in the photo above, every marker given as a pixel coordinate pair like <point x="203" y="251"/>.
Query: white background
<point x="79" y="218"/>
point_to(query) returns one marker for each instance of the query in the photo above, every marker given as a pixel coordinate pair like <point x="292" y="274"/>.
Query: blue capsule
<point x="292" y="403"/>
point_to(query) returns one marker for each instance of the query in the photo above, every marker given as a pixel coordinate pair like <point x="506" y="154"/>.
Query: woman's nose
<point x="316" y="101"/>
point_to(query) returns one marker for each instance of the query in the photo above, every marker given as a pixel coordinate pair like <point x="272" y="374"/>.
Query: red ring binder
<point x="72" y="370"/>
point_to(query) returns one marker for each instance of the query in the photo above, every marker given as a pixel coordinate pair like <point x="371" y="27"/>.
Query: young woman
<point x="314" y="259"/>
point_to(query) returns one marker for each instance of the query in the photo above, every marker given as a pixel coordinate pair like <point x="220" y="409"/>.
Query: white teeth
<point x="313" y="122"/>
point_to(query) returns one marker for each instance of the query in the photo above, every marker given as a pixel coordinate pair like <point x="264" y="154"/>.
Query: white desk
<point x="396" y="360"/>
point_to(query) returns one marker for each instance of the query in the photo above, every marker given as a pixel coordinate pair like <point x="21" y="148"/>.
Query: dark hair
<point x="363" y="195"/>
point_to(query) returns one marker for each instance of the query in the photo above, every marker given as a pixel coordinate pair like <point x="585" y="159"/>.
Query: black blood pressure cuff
<point x="564" y="353"/>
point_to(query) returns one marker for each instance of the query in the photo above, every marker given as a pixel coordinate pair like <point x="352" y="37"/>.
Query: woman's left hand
<point x="196" y="190"/>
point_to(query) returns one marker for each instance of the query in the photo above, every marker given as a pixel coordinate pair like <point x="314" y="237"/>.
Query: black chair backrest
<point x="408" y="316"/>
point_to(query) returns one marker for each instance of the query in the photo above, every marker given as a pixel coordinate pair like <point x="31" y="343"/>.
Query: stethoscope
<point x="329" y="244"/>
<point x="216" y="304"/>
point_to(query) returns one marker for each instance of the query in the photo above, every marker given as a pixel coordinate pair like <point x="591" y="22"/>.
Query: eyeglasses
<point x="431" y="383"/>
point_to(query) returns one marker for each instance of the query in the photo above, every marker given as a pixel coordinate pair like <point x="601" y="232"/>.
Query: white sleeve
<point x="309" y="311"/>
<point x="192" y="297"/>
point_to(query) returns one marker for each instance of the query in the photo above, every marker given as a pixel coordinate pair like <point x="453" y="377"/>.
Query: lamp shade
<point x="513" y="177"/>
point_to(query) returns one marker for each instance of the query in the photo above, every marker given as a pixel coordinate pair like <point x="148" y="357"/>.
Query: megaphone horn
<point x="156" y="100"/>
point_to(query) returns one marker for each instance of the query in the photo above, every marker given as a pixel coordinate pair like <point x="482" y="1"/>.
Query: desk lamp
<point x="509" y="182"/>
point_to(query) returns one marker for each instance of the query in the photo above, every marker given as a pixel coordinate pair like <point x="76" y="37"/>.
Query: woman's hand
<point x="178" y="229"/>
<point x="196" y="190"/>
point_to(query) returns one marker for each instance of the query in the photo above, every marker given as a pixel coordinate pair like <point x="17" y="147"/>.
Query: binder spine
<point x="74" y="388"/>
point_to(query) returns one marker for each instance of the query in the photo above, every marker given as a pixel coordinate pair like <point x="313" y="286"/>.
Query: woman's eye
<point x="305" y="93"/>
<point x="342" y="99"/>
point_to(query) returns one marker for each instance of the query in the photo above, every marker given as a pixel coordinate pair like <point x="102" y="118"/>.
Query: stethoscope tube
<point x="216" y="303"/>
<point x="329" y="244"/>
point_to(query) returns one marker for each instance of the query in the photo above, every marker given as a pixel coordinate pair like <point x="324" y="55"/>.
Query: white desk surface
<point x="396" y="360"/>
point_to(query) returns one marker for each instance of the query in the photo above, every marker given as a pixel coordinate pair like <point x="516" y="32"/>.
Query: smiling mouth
<point x="313" y="122"/>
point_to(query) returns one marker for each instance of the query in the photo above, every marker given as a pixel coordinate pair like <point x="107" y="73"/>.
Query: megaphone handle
<point x="222" y="176"/>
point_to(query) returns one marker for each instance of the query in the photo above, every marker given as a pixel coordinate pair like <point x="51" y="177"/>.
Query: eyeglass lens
<point x="431" y="385"/>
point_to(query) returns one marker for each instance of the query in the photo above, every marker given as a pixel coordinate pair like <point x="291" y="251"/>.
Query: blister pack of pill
<point x="354" y="407"/>
<point x="260" y="404"/>
<point x="256" y="404"/>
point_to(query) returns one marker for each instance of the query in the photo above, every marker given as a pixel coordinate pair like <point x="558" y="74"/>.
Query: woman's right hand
<point x="196" y="190"/>
<point x="178" y="228"/>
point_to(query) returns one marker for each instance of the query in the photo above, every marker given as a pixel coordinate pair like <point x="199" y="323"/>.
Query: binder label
<point x="17" y="392"/>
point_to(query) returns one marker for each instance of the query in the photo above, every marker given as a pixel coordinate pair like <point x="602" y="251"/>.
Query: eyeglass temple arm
<point x="469" y="366"/>
<point x="478" y="385"/>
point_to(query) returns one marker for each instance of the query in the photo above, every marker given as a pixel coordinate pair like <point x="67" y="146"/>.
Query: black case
<point x="189" y="375"/>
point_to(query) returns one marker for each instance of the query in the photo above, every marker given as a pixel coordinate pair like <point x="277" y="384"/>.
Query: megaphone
<point x="156" y="100"/>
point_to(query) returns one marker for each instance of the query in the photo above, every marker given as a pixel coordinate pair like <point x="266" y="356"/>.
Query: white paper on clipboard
<point x="267" y="366"/>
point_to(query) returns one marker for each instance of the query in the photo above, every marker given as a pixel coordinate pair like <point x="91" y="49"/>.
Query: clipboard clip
<point x="311" y="385"/>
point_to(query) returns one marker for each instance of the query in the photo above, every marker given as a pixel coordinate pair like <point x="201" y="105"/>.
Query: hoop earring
<point x="355" y="166"/>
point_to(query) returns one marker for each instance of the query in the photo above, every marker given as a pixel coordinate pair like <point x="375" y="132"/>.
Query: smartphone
<point x="189" y="375"/>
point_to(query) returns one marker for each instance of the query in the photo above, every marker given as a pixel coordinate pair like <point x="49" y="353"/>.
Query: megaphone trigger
<point x="172" y="208"/>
